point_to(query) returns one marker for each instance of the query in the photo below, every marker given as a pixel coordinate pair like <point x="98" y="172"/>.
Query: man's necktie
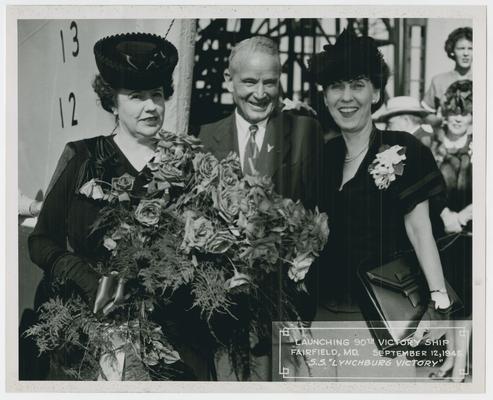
<point x="251" y="152"/>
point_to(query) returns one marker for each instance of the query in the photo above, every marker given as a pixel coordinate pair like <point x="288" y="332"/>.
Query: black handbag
<point x="396" y="295"/>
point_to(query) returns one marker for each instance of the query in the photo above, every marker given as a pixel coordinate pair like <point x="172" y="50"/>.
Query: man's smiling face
<point x="253" y="80"/>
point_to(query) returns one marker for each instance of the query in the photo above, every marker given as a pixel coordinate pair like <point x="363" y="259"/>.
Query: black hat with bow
<point x="350" y="57"/>
<point x="135" y="61"/>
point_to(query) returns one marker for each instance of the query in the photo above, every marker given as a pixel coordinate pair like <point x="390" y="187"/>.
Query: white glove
<point x="465" y="215"/>
<point x="451" y="221"/>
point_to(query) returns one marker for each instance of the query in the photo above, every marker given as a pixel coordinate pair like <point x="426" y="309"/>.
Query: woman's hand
<point x="465" y="215"/>
<point x="432" y="323"/>
<point x="418" y="228"/>
<point x="70" y="267"/>
<point x="110" y="294"/>
<point x="451" y="221"/>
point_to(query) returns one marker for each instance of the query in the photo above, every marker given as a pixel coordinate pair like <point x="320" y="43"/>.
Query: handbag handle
<point x="453" y="238"/>
<point x="449" y="240"/>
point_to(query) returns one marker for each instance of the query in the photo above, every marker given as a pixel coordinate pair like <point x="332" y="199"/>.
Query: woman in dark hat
<point x="134" y="82"/>
<point x="378" y="185"/>
<point x="452" y="149"/>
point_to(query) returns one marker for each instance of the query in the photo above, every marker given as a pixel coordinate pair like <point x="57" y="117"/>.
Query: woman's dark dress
<point x="63" y="246"/>
<point x="367" y="224"/>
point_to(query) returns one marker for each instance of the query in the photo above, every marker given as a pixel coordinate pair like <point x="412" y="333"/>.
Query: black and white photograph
<point x="246" y="198"/>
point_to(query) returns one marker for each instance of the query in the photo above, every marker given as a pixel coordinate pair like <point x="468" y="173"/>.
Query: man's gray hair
<point x="255" y="44"/>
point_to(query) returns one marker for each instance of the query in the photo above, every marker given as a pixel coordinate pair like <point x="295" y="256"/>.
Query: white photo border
<point x="478" y="16"/>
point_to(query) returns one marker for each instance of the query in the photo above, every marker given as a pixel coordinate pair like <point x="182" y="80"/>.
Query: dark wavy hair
<point x="107" y="94"/>
<point x="454" y="37"/>
<point x="458" y="98"/>
<point x="351" y="57"/>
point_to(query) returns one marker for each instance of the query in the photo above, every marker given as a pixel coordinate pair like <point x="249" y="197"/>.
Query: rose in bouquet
<point x="228" y="241"/>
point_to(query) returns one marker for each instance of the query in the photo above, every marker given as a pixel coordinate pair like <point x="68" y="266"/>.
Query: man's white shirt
<point x="242" y="127"/>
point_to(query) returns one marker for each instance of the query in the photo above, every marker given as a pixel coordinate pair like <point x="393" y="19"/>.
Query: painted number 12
<point x="71" y="99"/>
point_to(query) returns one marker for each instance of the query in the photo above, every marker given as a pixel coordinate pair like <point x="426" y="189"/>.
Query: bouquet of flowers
<point x="237" y="249"/>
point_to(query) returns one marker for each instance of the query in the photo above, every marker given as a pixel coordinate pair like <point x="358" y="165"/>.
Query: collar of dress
<point x="455" y="144"/>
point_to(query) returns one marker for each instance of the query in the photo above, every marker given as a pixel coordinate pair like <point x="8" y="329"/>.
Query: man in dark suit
<point x="286" y="147"/>
<point x="269" y="140"/>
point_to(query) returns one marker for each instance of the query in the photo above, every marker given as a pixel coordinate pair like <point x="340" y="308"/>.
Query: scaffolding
<point x="400" y="40"/>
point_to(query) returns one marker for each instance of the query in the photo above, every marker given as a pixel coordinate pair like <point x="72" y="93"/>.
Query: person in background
<point x="30" y="367"/>
<point x="452" y="149"/>
<point x="404" y="113"/>
<point x="458" y="47"/>
<point x="27" y="207"/>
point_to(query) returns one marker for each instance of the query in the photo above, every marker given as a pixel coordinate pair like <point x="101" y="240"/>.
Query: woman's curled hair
<point x="458" y="98"/>
<point x="454" y="37"/>
<point x="107" y="94"/>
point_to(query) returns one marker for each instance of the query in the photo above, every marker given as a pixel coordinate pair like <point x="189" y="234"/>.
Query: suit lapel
<point x="277" y="146"/>
<point x="226" y="138"/>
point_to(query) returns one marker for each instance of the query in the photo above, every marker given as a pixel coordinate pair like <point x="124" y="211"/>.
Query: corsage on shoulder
<point x="388" y="163"/>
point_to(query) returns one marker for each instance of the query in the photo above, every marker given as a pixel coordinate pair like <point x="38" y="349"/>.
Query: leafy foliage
<point x="203" y="232"/>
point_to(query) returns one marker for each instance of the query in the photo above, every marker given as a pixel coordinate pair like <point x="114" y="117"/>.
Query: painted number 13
<point x="75" y="39"/>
